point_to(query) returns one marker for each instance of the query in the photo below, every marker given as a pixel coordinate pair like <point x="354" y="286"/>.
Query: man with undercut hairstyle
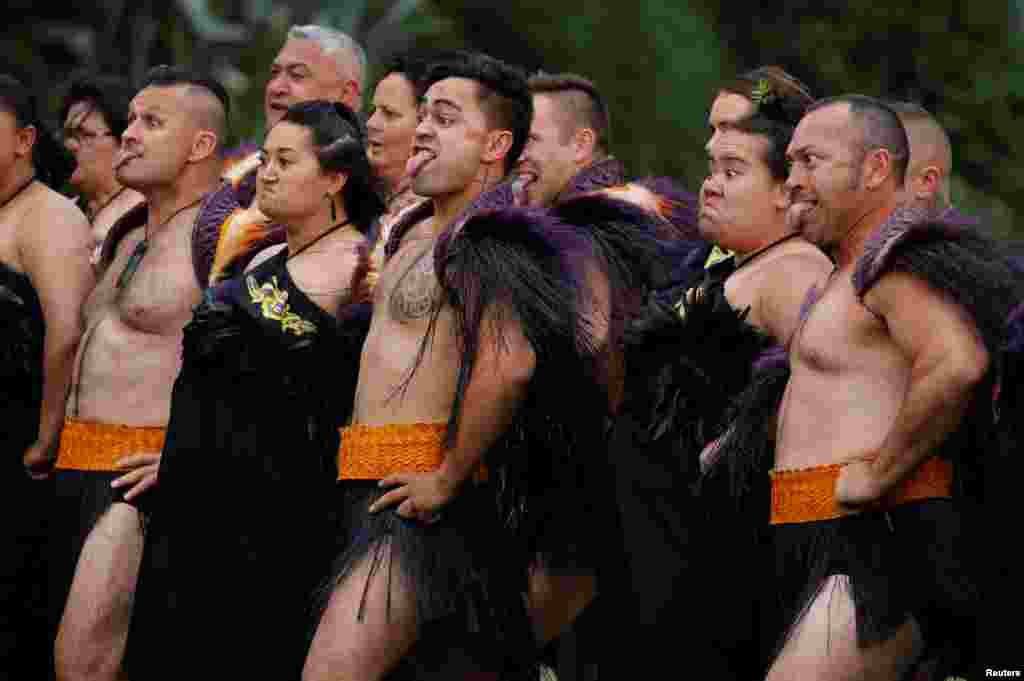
<point x="473" y="123"/>
<point x="931" y="157"/>
<point x="569" y="151"/>
<point x="890" y="395"/>
<point x="315" y="62"/>
<point x="130" y="354"/>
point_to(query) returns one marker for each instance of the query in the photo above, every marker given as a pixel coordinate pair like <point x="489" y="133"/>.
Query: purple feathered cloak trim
<point x="502" y="195"/>
<point x="607" y="173"/>
<point x="906" y="225"/>
<point x="215" y="219"/>
<point x="206" y="231"/>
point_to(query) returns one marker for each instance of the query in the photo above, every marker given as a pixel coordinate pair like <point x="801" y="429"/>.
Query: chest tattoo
<point x="416" y="293"/>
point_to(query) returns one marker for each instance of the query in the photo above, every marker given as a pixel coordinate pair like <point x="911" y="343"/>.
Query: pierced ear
<point x="497" y="146"/>
<point x="204" y="145"/>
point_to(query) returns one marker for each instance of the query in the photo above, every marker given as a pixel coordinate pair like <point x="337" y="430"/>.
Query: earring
<point x="334" y="214"/>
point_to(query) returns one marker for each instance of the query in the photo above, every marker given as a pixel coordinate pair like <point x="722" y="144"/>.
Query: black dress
<point x="23" y="502"/>
<point x="239" y="534"/>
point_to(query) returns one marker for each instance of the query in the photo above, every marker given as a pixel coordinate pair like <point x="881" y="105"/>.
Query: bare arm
<point x="54" y="242"/>
<point x="504" y="366"/>
<point x="947" y="359"/>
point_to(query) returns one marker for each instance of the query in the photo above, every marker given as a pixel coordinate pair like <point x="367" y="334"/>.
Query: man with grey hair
<point x="315" y="62"/>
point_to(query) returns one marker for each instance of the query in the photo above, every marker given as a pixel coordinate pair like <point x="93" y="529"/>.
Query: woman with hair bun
<point x="237" y="541"/>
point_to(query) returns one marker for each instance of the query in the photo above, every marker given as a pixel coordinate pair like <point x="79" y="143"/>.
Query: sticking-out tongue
<point x="416" y="162"/>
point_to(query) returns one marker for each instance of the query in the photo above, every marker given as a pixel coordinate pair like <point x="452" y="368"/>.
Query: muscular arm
<point x="55" y="248"/>
<point x="504" y="367"/>
<point x="947" y="361"/>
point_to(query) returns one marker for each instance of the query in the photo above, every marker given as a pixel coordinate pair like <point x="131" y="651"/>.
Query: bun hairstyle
<point x="52" y="163"/>
<point x="340" y="143"/>
<point x="780" y="101"/>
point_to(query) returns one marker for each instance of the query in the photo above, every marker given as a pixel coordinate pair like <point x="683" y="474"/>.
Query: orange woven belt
<point x="803" y="496"/>
<point x="375" y="452"/>
<point x="89" y="446"/>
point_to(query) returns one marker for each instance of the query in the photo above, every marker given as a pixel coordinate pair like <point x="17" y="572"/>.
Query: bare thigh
<point x="556" y="601"/>
<point x="824" y="645"/>
<point x="366" y="649"/>
<point x="93" y="630"/>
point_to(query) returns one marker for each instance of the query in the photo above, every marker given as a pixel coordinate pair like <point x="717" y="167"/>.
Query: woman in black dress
<point x="240" y="527"/>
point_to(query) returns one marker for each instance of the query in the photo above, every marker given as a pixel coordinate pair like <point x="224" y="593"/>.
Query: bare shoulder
<point x="54" y="212"/>
<point x="806" y="258"/>
<point x="54" y="224"/>
<point x="785" y="284"/>
<point x="895" y="291"/>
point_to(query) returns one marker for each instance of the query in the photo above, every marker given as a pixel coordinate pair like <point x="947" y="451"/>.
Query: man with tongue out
<point x="415" y="498"/>
<point x="314" y="63"/>
<point x="568" y="151"/>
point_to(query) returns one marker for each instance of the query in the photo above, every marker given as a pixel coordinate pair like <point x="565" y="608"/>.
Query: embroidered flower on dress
<point x="274" y="305"/>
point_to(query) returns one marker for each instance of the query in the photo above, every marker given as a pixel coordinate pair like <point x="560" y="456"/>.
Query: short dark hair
<point x="51" y="161"/>
<point x="170" y="76"/>
<point x="880" y="126"/>
<point x="340" y="143"/>
<point x="106" y="94"/>
<point x="412" y="66"/>
<point x="503" y="93"/>
<point x="581" y="99"/>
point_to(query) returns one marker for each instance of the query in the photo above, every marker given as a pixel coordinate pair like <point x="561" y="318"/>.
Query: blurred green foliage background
<point x="657" y="61"/>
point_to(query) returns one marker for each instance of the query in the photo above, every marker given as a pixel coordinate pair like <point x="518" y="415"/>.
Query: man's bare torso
<point x="847" y="385"/>
<point x="130" y="353"/>
<point x="405" y="298"/>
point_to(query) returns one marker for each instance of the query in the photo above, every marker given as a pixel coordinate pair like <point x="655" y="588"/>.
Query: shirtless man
<point x="130" y="356"/>
<point x="44" y="278"/>
<point x="315" y="62"/>
<point x="474" y="120"/>
<point x="883" y="370"/>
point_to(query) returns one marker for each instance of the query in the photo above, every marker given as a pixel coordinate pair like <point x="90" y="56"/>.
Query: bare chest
<point x="839" y="333"/>
<point x="408" y="291"/>
<point x="150" y="289"/>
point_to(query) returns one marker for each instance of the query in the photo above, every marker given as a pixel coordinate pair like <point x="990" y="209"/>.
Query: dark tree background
<point x="658" y="61"/>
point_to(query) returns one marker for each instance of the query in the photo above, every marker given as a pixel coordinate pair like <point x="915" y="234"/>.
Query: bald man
<point x="315" y="63"/>
<point x="931" y="157"/>
<point x="128" y="360"/>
